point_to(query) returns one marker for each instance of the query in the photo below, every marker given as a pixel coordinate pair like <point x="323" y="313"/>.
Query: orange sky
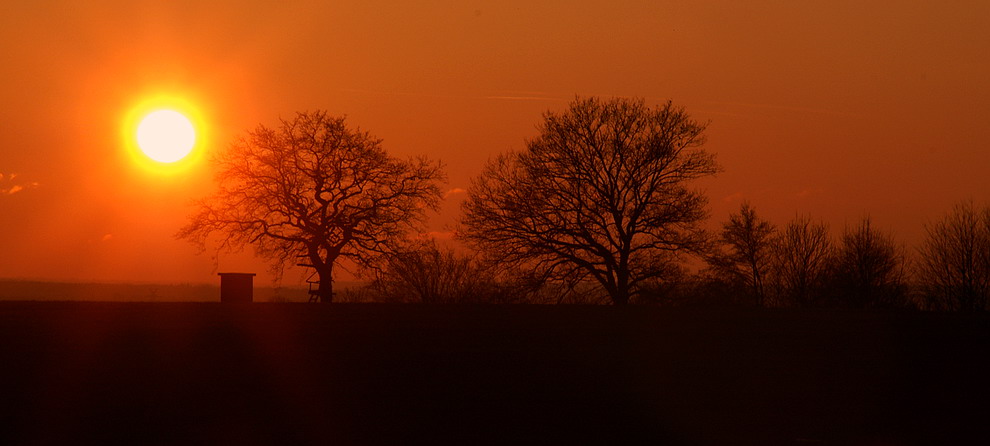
<point x="836" y="109"/>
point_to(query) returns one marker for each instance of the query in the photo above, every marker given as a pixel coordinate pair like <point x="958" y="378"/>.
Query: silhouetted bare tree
<point x="868" y="269"/>
<point x="954" y="268"/>
<point x="750" y="242"/>
<point x="801" y="261"/>
<point x="601" y="194"/>
<point x="313" y="189"/>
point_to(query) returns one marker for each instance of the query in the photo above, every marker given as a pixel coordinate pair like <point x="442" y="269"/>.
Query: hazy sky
<point x="835" y="109"/>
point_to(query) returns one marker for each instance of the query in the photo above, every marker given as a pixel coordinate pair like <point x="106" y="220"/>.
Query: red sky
<point x="836" y="109"/>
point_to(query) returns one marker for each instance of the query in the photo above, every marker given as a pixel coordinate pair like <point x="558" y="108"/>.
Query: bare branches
<point x="315" y="189"/>
<point x="955" y="260"/>
<point x="428" y="273"/>
<point x="869" y="268"/>
<point x="801" y="261"/>
<point x="598" y="193"/>
<point x="750" y="242"/>
<point x="800" y="266"/>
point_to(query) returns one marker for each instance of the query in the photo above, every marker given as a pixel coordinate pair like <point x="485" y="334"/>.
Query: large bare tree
<point x="313" y="189"/>
<point x="601" y="194"/>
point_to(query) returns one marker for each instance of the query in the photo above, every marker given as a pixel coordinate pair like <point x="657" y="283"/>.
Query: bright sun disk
<point x="166" y="136"/>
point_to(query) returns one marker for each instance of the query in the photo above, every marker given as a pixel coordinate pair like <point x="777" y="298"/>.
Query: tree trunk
<point x="326" y="285"/>
<point x="621" y="295"/>
<point x="758" y="287"/>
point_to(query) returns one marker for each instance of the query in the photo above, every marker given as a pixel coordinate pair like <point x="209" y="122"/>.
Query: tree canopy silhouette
<point x="868" y="268"/>
<point x="427" y="272"/>
<point x="316" y="190"/>
<point x="601" y="194"/>
<point x="749" y="242"/>
<point x="803" y="253"/>
<point x="954" y="267"/>
<point x="802" y="256"/>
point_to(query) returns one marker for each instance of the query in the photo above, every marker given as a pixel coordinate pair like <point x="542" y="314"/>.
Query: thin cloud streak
<point x="524" y="98"/>
<point x="785" y="108"/>
<point x="507" y="96"/>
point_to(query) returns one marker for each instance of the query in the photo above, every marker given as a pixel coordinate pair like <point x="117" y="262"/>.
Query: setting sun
<point x="166" y="136"/>
<point x="165" y="133"/>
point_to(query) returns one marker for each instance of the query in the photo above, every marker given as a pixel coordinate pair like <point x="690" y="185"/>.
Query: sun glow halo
<point x="166" y="136"/>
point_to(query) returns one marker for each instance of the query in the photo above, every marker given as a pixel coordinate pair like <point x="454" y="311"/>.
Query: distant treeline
<point x="126" y="292"/>
<point x="750" y="262"/>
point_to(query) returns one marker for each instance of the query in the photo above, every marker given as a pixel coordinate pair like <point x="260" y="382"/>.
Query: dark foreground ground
<point x="181" y="373"/>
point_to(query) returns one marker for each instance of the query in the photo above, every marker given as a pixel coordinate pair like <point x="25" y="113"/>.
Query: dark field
<point x="123" y="292"/>
<point x="179" y="373"/>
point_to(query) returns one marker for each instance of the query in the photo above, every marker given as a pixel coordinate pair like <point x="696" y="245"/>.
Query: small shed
<point x="236" y="287"/>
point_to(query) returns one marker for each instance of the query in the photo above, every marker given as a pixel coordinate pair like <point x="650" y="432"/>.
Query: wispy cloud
<point x="396" y="93"/>
<point x="521" y="95"/>
<point x="523" y="98"/>
<point x="454" y="191"/>
<point x="9" y="187"/>
<point x="510" y="95"/>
